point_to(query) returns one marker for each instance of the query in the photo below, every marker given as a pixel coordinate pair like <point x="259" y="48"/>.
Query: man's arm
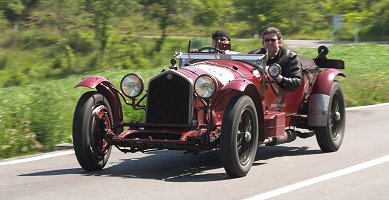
<point x="291" y="74"/>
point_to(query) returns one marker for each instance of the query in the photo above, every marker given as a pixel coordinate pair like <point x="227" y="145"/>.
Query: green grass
<point x="36" y="117"/>
<point x="367" y="71"/>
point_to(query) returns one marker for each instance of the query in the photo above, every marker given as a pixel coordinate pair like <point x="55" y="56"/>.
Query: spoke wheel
<point x="100" y="123"/>
<point x="244" y="133"/>
<point x="330" y="137"/>
<point x="92" y="118"/>
<point x="239" y="137"/>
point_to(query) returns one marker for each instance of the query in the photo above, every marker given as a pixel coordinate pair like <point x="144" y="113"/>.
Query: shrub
<point x="81" y="42"/>
<point x="3" y="62"/>
<point x="38" y="38"/>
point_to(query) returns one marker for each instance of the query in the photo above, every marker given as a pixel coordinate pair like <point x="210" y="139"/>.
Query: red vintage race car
<point x="211" y="101"/>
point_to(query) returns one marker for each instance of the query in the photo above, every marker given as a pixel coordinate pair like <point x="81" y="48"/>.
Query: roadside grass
<point x="366" y="70"/>
<point x="36" y="117"/>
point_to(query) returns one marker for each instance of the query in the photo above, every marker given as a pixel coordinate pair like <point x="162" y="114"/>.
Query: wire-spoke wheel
<point x="92" y="118"/>
<point x="239" y="136"/>
<point x="330" y="137"/>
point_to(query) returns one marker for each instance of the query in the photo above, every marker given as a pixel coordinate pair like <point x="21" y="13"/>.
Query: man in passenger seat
<point x="290" y="77"/>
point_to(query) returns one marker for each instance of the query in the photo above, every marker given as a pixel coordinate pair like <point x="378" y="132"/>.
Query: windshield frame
<point x="185" y="58"/>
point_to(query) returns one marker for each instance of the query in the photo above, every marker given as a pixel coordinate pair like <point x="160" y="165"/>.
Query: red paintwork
<point x="274" y="106"/>
<point x="107" y="89"/>
<point x="91" y="81"/>
<point x="275" y="124"/>
<point x="325" y="79"/>
<point x="99" y="142"/>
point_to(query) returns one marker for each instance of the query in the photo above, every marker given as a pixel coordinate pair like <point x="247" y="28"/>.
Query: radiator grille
<point x="168" y="100"/>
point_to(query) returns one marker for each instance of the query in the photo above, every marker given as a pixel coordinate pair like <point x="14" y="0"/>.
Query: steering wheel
<point x="208" y="49"/>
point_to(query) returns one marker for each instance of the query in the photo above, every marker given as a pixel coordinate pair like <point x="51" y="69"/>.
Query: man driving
<point x="222" y="42"/>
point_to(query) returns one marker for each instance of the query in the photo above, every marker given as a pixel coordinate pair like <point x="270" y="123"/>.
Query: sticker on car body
<point x="222" y="74"/>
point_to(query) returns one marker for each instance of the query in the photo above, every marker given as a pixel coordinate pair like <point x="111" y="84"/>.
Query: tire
<point x="239" y="136"/>
<point x="330" y="137"/>
<point x="91" y="117"/>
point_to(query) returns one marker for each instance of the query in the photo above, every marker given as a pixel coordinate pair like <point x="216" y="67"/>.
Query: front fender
<point x="246" y="87"/>
<point x="105" y="87"/>
<point x="91" y="81"/>
<point x="238" y="84"/>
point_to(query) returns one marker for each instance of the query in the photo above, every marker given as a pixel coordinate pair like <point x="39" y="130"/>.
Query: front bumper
<point x="141" y="137"/>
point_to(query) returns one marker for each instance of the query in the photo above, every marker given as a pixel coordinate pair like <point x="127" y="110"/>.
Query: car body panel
<point x="178" y="118"/>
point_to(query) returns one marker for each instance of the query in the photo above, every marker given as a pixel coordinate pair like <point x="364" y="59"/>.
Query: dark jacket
<point x="290" y="64"/>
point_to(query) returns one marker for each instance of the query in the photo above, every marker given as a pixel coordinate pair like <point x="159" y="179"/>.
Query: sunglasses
<point x="222" y="39"/>
<point x="270" y="39"/>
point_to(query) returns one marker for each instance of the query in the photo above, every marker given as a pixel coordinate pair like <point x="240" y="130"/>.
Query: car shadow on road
<point x="174" y="166"/>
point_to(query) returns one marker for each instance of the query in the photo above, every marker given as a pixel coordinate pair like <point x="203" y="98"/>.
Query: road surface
<point x="297" y="170"/>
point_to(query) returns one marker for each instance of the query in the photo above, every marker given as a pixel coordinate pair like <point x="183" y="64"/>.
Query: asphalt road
<point x="306" y="43"/>
<point x="297" y="170"/>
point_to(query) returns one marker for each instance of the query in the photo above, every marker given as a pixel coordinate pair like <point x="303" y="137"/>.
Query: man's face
<point x="271" y="44"/>
<point x="222" y="43"/>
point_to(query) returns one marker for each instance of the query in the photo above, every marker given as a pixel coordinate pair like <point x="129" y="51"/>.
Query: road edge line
<point x="35" y="158"/>
<point x="368" y="106"/>
<point x="325" y="177"/>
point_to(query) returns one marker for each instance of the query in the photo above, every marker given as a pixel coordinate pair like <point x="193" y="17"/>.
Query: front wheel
<point x="92" y="117"/>
<point x="239" y="136"/>
<point x="330" y="137"/>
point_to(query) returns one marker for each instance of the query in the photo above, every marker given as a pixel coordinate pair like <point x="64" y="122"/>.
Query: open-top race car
<point x="208" y="100"/>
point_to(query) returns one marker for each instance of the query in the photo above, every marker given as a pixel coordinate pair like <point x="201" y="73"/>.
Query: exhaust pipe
<point x="289" y="136"/>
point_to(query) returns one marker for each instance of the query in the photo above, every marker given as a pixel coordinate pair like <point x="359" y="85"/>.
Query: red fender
<point x="320" y="97"/>
<point x="246" y="87"/>
<point x="324" y="81"/>
<point x="102" y="85"/>
<point x="91" y="81"/>
<point x="237" y="84"/>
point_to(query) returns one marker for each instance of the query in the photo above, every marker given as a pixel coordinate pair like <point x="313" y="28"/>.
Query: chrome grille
<point x="169" y="99"/>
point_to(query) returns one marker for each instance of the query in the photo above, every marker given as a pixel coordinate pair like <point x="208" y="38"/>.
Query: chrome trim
<point x="207" y="56"/>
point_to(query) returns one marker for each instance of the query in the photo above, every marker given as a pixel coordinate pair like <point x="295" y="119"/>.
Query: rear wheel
<point x="330" y="137"/>
<point x="239" y="136"/>
<point x="92" y="117"/>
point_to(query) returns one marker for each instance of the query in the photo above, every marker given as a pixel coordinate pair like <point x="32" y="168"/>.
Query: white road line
<point x="369" y="106"/>
<point x="35" y="158"/>
<point x="319" y="179"/>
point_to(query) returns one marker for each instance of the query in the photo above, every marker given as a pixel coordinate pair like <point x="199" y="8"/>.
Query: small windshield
<point x="197" y="44"/>
<point x="200" y="49"/>
<point x="185" y="58"/>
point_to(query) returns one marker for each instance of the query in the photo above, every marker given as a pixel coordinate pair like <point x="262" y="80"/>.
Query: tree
<point x="377" y="23"/>
<point x="13" y="11"/>
<point x="213" y="12"/>
<point x="102" y="11"/>
<point x="258" y="14"/>
<point x="160" y="10"/>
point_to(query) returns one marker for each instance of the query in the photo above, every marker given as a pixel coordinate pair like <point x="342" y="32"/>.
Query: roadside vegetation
<point x="46" y="47"/>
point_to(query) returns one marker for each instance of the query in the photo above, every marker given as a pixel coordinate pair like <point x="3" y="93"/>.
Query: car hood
<point x="222" y="70"/>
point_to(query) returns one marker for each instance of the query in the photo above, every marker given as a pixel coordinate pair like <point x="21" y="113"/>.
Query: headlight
<point x="132" y="85"/>
<point x="205" y="86"/>
<point x="274" y="70"/>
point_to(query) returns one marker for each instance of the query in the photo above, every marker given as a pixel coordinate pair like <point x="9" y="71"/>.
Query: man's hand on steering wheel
<point x="209" y="50"/>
